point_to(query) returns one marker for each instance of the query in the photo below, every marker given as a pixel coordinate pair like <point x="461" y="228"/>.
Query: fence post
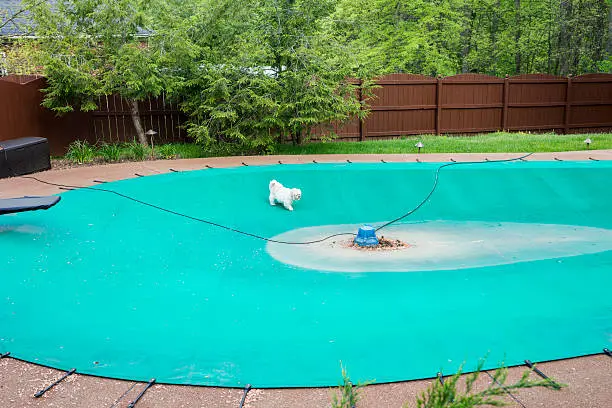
<point x="506" y="98"/>
<point x="438" y="103"/>
<point x="568" y="106"/>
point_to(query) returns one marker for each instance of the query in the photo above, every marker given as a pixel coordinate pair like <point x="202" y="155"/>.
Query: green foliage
<point x="250" y="73"/>
<point x="69" y="88"/>
<point x="495" y="37"/>
<point x="135" y="74"/>
<point x="519" y="142"/>
<point x="20" y="58"/>
<point x="347" y="393"/>
<point x="136" y="151"/>
<point x="109" y="152"/>
<point x="230" y="105"/>
<point x="81" y="152"/>
<point x="166" y="152"/>
<point x="189" y="151"/>
<point x="243" y="148"/>
<point x="447" y="395"/>
<point x="402" y="36"/>
<point x="499" y="142"/>
<point x="94" y="48"/>
<point x="265" y="69"/>
<point x="450" y="393"/>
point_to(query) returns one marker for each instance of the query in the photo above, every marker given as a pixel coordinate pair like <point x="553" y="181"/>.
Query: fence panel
<point x="537" y="102"/>
<point x="471" y="103"/>
<point x="403" y="104"/>
<point x="112" y="121"/>
<point x="21" y="115"/>
<point x="590" y="103"/>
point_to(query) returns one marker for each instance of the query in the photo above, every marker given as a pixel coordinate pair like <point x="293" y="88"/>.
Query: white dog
<point x="285" y="196"/>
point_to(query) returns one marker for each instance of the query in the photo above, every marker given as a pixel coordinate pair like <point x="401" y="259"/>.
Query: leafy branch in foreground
<point x="446" y="395"/>
<point x="347" y="394"/>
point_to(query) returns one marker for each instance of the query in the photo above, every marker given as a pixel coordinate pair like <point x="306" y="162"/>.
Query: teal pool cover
<point x="506" y="260"/>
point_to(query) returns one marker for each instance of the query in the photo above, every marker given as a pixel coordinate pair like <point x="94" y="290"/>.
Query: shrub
<point x="110" y="152"/>
<point x="136" y="151"/>
<point x="347" y="394"/>
<point x="262" y="146"/>
<point x="80" y="151"/>
<point x="189" y="151"/>
<point x="446" y="394"/>
<point x="167" y="151"/>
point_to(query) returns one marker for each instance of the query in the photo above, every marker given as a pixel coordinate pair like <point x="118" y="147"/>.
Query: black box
<point x="24" y="156"/>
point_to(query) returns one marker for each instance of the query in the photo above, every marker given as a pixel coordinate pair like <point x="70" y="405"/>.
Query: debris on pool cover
<point x="384" y="244"/>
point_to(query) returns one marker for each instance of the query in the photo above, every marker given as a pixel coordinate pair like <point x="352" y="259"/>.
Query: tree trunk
<point x="466" y="38"/>
<point x="299" y="136"/>
<point x="137" y="124"/>
<point x="565" y="34"/>
<point x="497" y="16"/>
<point x="549" y="38"/>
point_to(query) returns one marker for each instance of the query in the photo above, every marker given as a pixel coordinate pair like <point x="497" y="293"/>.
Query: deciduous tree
<point x="90" y="48"/>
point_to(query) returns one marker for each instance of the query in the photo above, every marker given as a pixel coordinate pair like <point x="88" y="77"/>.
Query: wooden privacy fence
<point x="112" y="122"/>
<point x="21" y="115"/>
<point x="407" y="104"/>
<point x="404" y="105"/>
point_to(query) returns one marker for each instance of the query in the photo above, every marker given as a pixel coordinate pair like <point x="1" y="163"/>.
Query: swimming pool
<point x="506" y="260"/>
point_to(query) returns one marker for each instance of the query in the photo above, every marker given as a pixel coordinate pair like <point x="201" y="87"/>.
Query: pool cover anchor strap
<point x="590" y="158"/>
<point x="440" y="377"/>
<point x="174" y="170"/>
<point x="607" y="352"/>
<point x="149" y="385"/>
<point x="247" y="388"/>
<point x="118" y="400"/>
<point x="42" y="392"/>
<point x="8" y="353"/>
<point x="506" y="390"/>
<point x="541" y="374"/>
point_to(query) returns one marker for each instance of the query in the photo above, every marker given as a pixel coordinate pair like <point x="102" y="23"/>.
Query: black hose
<point x="252" y="235"/>
<point x="435" y="185"/>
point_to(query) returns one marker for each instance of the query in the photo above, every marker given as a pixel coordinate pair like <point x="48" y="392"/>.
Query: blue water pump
<point x="366" y="236"/>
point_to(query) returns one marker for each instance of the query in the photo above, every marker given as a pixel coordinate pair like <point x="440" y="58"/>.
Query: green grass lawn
<point x="82" y="152"/>
<point x="499" y="142"/>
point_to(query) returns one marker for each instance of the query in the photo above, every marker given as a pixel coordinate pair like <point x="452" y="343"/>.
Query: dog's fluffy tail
<point x="273" y="183"/>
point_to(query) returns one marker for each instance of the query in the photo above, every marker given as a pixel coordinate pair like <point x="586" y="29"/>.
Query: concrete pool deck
<point x="588" y="378"/>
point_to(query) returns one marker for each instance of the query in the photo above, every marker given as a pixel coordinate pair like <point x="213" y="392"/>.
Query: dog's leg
<point x="272" y="201"/>
<point x="288" y="205"/>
